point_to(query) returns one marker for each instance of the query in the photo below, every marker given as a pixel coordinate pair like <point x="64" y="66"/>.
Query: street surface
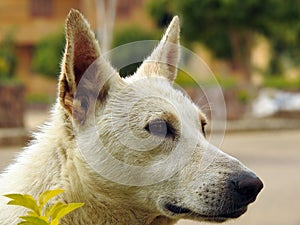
<point x="274" y="156"/>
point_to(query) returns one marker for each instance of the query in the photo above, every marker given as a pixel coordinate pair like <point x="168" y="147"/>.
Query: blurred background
<point x="252" y="47"/>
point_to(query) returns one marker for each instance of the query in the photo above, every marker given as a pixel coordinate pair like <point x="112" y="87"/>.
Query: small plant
<point x="8" y="58"/>
<point x="39" y="211"/>
<point x="282" y="82"/>
<point x="47" y="55"/>
<point x="127" y="35"/>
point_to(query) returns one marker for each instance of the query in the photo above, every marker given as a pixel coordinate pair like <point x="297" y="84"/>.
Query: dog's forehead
<point x="160" y="93"/>
<point x="157" y="87"/>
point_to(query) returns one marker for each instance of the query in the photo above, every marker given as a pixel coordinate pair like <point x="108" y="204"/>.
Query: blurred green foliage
<point x="38" y="98"/>
<point x="228" y="27"/>
<point x="127" y="35"/>
<point x="162" y="11"/>
<point x="8" y="58"/>
<point x="133" y="33"/>
<point x="184" y="79"/>
<point x="243" y="96"/>
<point x="48" y="54"/>
<point x="188" y="80"/>
<point x="281" y="82"/>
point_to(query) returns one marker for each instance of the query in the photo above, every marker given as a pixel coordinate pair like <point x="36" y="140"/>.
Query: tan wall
<point x="34" y="83"/>
<point x="29" y="28"/>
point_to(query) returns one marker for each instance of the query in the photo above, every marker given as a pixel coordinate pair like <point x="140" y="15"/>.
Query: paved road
<point x="275" y="157"/>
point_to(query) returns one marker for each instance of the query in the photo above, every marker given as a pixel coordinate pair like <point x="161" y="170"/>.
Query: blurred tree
<point x="162" y="11"/>
<point x="8" y="58"/>
<point x="11" y="90"/>
<point x="284" y="36"/>
<point x="47" y="55"/>
<point x="128" y="35"/>
<point x="228" y="27"/>
<point x="133" y="33"/>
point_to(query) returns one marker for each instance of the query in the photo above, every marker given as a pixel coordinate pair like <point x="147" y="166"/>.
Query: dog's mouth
<point x="177" y="209"/>
<point x="220" y="217"/>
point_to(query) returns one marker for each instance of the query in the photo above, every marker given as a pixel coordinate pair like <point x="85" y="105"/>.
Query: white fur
<point x="74" y="150"/>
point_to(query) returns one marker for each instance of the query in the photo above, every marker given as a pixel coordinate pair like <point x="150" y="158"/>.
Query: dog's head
<point x="146" y="137"/>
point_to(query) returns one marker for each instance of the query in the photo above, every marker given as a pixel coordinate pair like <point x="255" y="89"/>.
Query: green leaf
<point x="35" y="220"/>
<point x="66" y="210"/>
<point x="37" y="213"/>
<point x="31" y="213"/>
<point x="25" y="200"/>
<point x="47" y="195"/>
<point x="54" y="209"/>
<point x="54" y="222"/>
<point x="25" y="223"/>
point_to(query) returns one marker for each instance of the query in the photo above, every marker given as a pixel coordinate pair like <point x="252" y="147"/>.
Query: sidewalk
<point x="19" y="136"/>
<point x="7" y="154"/>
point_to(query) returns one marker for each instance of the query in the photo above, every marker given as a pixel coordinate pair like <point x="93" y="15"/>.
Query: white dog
<point x="133" y="150"/>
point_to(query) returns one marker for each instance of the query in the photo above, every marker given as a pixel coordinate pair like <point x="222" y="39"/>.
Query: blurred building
<point x="32" y="20"/>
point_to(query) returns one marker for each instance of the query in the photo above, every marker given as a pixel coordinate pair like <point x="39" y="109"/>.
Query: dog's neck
<point x="80" y="185"/>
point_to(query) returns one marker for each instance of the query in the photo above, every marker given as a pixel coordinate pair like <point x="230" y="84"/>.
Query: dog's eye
<point x="159" y="128"/>
<point x="203" y="124"/>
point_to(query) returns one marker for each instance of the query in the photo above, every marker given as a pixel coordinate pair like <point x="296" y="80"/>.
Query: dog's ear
<point x="164" y="59"/>
<point x="84" y="73"/>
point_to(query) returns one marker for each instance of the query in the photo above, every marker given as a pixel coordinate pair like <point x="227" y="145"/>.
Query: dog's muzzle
<point x="241" y="190"/>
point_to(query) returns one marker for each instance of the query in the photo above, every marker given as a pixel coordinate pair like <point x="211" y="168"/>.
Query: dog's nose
<point x="247" y="186"/>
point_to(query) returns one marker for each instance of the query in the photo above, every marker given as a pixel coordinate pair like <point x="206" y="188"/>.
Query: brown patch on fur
<point x="80" y="108"/>
<point x="202" y="118"/>
<point x="103" y="93"/>
<point x="87" y="97"/>
<point x="172" y="120"/>
<point x="203" y="121"/>
<point x="170" y="117"/>
<point x="65" y="96"/>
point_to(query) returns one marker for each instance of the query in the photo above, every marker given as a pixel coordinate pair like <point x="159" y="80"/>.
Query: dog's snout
<point x="247" y="186"/>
